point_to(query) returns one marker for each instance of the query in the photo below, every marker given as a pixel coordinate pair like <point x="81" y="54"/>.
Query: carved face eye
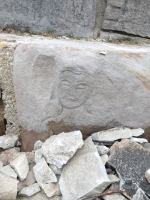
<point x="82" y="86"/>
<point x="65" y="83"/>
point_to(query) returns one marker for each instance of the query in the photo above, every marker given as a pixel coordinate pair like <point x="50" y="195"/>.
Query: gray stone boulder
<point x="131" y="161"/>
<point x="58" y="149"/>
<point x="71" y="95"/>
<point x="121" y="15"/>
<point x="84" y="174"/>
<point x="8" y="188"/>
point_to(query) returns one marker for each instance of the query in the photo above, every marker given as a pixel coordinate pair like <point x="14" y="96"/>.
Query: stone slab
<point x="120" y="15"/>
<point x="84" y="174"/>
<point x="131" y="161"/>
<point x="71" y="95"/>
<point x="30" y="190"/>
<point x="75" y="18"/>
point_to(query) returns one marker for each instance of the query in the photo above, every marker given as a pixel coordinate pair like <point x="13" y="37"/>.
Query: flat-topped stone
<point x="85" y="173"/>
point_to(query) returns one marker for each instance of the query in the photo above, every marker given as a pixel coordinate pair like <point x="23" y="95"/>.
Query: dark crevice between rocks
<point x="3" y="121"/>
<point x="123" y="33"/>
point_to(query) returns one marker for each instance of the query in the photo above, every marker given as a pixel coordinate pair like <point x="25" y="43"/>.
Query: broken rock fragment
<point x="43" y="173"/>
<point x="140" y="195"/>
<point x="9" y="154"/>
<point x="20" y="165"/>
<point x="30" y="190"/>
<point x="8" y="171"/>
<point x="102" y="149"/>
<point x="84" y="174"/>
<point x="8" y="188"/>
<point x="131" y="161"/>
<point x="7" y="141"/>
<point x="58" y="149"/>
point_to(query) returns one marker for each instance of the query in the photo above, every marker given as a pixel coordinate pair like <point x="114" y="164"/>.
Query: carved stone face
<point x="73" y="89"/>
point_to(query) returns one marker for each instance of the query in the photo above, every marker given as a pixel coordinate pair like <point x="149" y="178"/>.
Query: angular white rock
<point x="138" y="140"/>
<point x="7" y="141"/>
<point x="8" y="188"/>
<point x="8" y="171"/>
<point x="147" y="175"/>
<point x="51" y="189"/>
<point x="20" y="165"/>
<point x="43" y="173"/>
<point x="55" y="169"/>
<point x="38" y="155"/>
<point x="140" y="195"/>
<point x="104" y="158"/>
<point x="102" y="149"/>
<point x="38" y="145"/>
<point x="113" y="178"/>
<point x="58" y="149"/>
<point x="84" y="174"/>
<point x="137" y="132"/>
<point x="30" y="190"/>
<point x="112" y="134"/>
<point x="39" y="196"/>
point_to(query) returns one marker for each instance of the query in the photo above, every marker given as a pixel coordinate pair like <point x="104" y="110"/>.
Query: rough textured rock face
<point x="130" y="16"/>
<point x="64" y="85"/>
<point x="127" y="155"/>
<point x="88" y="161"/>
<point x="75" y="17"/>
<point x="58" y="149"/>
<point x="8" y="187"/>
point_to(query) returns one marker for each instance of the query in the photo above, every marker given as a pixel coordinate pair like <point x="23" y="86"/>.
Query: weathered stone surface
<point x="8" y="188"/>
<point x="85" y="173"/>
<point x="137" y="132"/>
<point x="30" y="190"/>
<point x="43" y="173"/>
<point x="147" y="175"/>
<point x="112" y="134"/>
<point x="138" y="140"/>
<point x="71" y="95"/>
<point x="30" y="179"/>
<point x="20" y="164"/>
<point x="28" y="138"/>
<point x="51" y="189"/>
<point x="58" y="149"/>
<point x="104" y="158"/>
<point x="75" y="18"/>
<point x="8" y="171"/>
<point x="55" y="169"/>
<point x="121" y="15"/>
<point x="38" y="155"/>
<point x="140" y="195"/>
<point x="113" y="178"/>
<point x="7" y="141"/>
<point x="39" y="196"/>
<point x="102" y="149"/>
<point x="114" y="197"/>
<point x="131" y="161"/>
<point x="38" y="145"/>
<point x="8" y="155"/>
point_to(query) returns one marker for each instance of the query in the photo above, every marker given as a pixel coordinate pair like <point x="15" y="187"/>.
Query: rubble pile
<point x="111" y="165"/>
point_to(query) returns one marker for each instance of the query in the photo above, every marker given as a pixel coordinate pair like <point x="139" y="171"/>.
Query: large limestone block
<point x="75" y="17"/>
<point x="58" y="149"/>
<point x="131" y="161"/>
<point x="130" y="16"/>
<point x="70" y="85"/>
<point x="8" y="188"/>
<point x="84" y="174"/>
